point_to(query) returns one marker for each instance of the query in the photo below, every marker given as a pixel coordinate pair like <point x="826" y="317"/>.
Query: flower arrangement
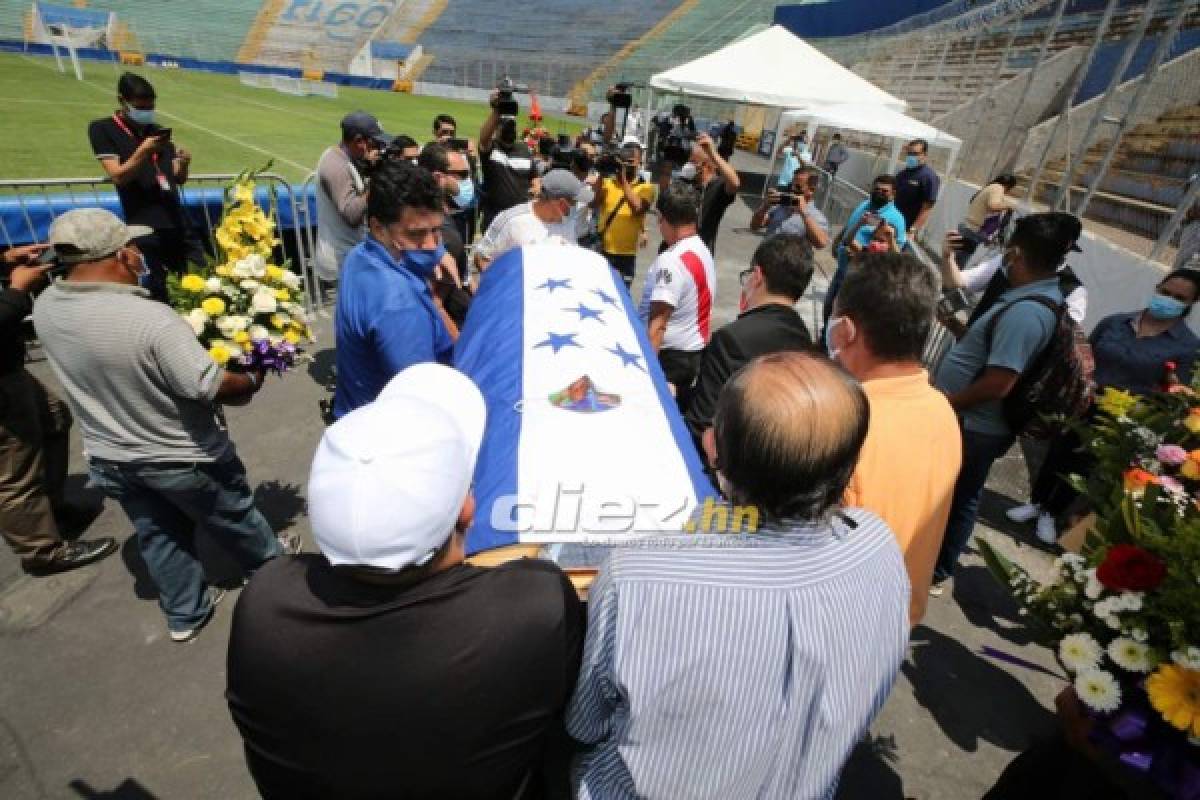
<point x="242" y="306"/>
<point x="1124" y="614"/>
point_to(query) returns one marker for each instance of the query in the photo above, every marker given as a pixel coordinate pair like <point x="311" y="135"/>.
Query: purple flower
<point x="1171" y="454"/>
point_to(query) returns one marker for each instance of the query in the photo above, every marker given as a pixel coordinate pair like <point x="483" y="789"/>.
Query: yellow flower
<point x="1192" y="423"/>
<point x="291" y="337"/>
<point x="241" y="337"/>
<point x="192" y="283"/>
<point x="224" y="271"/>
<point x="277" y="321"/>
<point x="244" y="192"/>
<point x="213" y="306"/>
<point x="248" y="347"/>
<point x="220" y="354"/>
<point x="274" y="273"/>
<point x="1175" y="693"/>
<point x="282" y="295"/>
<point x="1115" y="402"/>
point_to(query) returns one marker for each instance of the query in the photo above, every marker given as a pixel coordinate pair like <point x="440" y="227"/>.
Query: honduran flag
<point x="584" y="442"/>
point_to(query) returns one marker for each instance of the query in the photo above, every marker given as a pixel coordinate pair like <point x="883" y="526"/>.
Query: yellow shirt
<point x="907" y="470"/>
<point x="621" y="237"/>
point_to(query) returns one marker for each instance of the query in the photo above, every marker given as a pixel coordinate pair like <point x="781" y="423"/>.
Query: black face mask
<point x="878" y="200"/>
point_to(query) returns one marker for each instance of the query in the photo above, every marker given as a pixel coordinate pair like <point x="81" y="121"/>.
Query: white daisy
<point x="1188" y="659"/>
<point x="1098" y="690"/>
<point x="1094" y="587"/>
<point x="1130" y="655"/>
<point x="1079" y="652"/>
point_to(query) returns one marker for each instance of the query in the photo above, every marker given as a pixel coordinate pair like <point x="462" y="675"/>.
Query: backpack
<point x="1058" y="382"/>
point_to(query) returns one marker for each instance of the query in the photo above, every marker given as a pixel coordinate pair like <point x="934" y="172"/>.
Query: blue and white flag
<point x="584" y="442"/>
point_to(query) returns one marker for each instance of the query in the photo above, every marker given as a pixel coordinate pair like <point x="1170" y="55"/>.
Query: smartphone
<point x="871" y="218"/>
<point x="164" y="134"/>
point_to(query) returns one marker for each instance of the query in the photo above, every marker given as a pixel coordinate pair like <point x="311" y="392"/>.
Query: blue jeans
<point x="835" y="284"/>
<point x="166" y="503"/>
<point x="979" y="451"/>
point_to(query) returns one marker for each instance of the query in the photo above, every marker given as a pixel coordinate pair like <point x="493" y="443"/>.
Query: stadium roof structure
<point x="773" y="68"/>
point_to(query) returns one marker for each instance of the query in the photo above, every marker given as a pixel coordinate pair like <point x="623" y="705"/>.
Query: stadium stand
<point x="203" y="29"/>
<point x="549" y="45"/>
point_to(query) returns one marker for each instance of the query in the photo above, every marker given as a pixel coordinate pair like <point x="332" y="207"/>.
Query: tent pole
<point x="775" y="151"/>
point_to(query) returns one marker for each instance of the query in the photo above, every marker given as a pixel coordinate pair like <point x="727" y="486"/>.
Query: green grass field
<point x="226" y="126"/>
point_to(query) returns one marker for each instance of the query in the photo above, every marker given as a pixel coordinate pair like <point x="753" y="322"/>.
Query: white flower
<point x="255" y="266"/>
<point x="1094" y="587"/>
<point x="213" y="285"/>
<point x="275" y="339"/>
<point x="249" y="285"/>
<point x="1131" y="601"/>
<point x="1188" y="659"/>
<point x="264" y="302"/>
<point x="198" y="320"/>
<point x="258" y="333"/>
<point x="1098" y="690"/>
<point x="1129" y="655"/>
<point x="227" y="326"/>
<point x="1139" y="634"/>
<point x="1079" y="652"/>
<point x="290" y="279"/>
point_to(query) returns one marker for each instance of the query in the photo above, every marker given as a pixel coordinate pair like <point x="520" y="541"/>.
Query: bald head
<point x="788" y="428"/>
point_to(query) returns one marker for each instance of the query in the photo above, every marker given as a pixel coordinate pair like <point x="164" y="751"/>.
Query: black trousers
<point x="626" y="265"/>
<point x="681" y="368"/>
<point x="168" y="250"/>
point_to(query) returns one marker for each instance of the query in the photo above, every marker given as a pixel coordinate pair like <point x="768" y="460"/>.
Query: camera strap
<point x="613" y="214"/>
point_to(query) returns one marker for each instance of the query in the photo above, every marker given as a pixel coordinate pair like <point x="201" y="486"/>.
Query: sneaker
<point x="214" y="597"/>
<point x="1047" y="531"/>
<point x="1025" y="513"/>
<point x="73" y="556"/>
<point x="937" y="589"/>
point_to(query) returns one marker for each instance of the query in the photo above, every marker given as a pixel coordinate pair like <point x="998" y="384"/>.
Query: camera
<point x="620" y="96"/>
<point x="505" y="103"/>
<point x="787" y="200"/>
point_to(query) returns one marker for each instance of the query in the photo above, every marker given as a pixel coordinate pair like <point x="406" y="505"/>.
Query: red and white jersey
<point x="685" y="278"/>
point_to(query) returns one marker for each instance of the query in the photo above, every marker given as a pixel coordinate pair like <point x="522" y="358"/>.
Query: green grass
<point x="226" y="126"/>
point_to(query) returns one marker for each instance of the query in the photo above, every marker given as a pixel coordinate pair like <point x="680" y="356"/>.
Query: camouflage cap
<point x="90" y="234"/>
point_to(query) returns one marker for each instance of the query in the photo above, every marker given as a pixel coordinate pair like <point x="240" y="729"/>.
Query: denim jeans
<point x="166" y="503"/>
<point x="979" y="451"/>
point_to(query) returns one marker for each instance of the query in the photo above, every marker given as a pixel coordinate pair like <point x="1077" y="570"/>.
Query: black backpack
<point x="1058" y="383"/>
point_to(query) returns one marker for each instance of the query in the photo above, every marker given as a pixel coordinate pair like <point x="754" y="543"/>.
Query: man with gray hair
<point x="548" y="218"/>
<point x="145" y="392"/>
<point x="759" y="659"/>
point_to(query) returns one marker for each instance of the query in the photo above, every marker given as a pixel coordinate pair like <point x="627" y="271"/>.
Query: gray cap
<point x="90" y="234"/>
<point x="560" y="184"/>
<point x="360" y="123"/>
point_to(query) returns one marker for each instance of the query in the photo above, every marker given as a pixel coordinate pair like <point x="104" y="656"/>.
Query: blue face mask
<point x="466" y="193"/>
<point x="421" y="263"/>
<point x="140" y="116"/>
<point x="911" y="162"/>
<point x="1163" y="307"/>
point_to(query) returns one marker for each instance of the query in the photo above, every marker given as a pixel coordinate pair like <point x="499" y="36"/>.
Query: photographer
<point x="622" y="200"/>
<point x="35" y="430"/>
<point x="140" y="159"/>
<point x="718" y="183"/>
<point x="793" y="211"/>
<point x="342" y="190"/>
<point x="507" y="161"/>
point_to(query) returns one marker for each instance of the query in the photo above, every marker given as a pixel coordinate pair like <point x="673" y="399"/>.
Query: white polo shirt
<point x="520" y="227"/>
<point x="685" y="278"/>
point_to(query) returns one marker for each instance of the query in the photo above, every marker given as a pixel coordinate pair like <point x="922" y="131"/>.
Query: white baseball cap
<point x="389" y="479"/>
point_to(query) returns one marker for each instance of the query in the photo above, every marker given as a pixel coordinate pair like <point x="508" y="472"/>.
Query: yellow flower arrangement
<point x="1174" y="692"/>
<point x="192" y="283"/>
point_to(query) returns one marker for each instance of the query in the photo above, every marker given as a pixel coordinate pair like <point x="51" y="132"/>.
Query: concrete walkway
<point x="96" y="702"/>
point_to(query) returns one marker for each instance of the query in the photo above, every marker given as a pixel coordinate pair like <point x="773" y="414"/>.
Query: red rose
<point x="1131" y="569"/>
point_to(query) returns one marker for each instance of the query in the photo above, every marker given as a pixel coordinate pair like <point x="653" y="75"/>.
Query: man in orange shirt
<point x="909" y="463"/>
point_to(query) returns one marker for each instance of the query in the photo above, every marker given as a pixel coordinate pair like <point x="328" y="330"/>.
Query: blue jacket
<point x="386" y="322"/>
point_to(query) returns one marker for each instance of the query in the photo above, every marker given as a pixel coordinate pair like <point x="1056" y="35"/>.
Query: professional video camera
<point x="677" y="144"/>
<point x="505" y="102"/>
<point x="610" y="162"/>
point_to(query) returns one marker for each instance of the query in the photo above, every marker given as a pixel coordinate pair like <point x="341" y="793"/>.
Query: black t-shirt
<point x="446" y="688"/>
<point x="143" y="199"/>
<point x="915" y="186"/>
<point x="507" y="170"/>
<point x="453" y="240"/>
<point x="713" y="202"/>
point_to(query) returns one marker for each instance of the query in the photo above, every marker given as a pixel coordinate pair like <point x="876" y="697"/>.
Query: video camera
<point x="610" y="162"/>
<point x="620" y="96"/>
<point x="505" y="102"/>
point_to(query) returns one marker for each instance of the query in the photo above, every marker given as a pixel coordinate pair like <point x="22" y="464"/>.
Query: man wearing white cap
<point x="548" y="218"/>
<point x="385" y="666"/>
<point x="145" y="392"/>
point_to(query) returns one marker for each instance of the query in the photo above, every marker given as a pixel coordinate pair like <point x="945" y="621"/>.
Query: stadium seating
<point x="548" y="44"/>
<point x="203" y="29"/>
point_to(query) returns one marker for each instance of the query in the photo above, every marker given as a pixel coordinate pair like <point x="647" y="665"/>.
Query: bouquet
<point x="1124" y="614"/>
<point x="242" y="306"/>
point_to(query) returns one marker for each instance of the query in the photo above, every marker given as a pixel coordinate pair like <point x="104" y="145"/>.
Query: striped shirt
<point x="739" y="666"/>
<point x="137" y="379"/>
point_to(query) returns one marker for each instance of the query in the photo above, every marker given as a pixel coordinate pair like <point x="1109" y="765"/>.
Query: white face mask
<point x="829" y="326"/>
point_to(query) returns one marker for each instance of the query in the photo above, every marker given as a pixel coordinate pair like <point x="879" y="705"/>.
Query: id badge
<point x="163" y="183"/>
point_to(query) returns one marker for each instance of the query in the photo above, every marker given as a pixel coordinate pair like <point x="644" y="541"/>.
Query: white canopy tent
<point x="876" y="120"/>
<point x="773" y="68"/>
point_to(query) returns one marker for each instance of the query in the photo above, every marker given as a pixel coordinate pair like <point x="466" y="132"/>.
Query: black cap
<point x="360" y="123"/>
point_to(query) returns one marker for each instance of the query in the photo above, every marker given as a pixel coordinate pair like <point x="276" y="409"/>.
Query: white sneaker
<point x="1047" y="532"/>
<point x="214" y="597"/>
<point x="1025" y="513"/>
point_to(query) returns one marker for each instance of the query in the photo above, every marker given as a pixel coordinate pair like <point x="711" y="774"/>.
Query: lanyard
<point x="120" y="123"/>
